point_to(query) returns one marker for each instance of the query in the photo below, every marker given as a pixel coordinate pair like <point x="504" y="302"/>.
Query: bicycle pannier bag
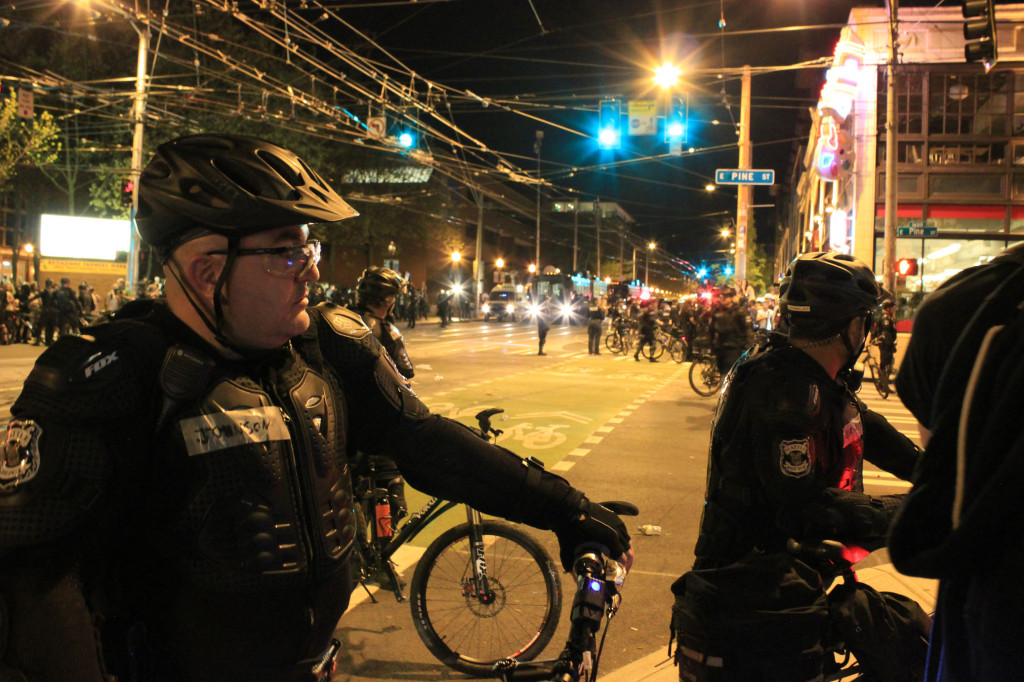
<point x="762" y="618"/>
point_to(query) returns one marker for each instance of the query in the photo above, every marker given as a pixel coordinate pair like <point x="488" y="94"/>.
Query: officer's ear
<point x="199" y="268"/>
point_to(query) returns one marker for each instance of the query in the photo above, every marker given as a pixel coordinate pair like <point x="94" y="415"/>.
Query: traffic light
<point x="676" y="119"/>
<point x="906" y="266"/>
<point x="609" y="124"/>
<point x="127" y="192"/>
<point x="406" y="139"/>
<point x="979" y="31"/>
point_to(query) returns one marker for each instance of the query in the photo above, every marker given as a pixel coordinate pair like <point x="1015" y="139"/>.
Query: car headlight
<point x="567" y="309"/>
<point x="510" y="308"/>
<point x="534" y="309"/>
<point x="486" y="308"/>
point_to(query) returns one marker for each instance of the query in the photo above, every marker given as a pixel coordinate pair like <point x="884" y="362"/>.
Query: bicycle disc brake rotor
<point x="483" y="606"/>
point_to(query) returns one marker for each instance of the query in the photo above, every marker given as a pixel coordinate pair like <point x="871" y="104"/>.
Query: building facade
<point x="960" y="149"/>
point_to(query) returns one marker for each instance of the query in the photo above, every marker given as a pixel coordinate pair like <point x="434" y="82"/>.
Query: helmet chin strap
<point x="854" y="353"/>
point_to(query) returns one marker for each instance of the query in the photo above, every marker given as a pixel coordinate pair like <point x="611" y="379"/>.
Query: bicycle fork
<point x="480" y="586"/>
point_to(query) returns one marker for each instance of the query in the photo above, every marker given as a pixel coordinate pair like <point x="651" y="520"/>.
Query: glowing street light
<point x="709" y="187"/>
<point x="456" y="256"/>
<point x="666" y="75"/>
<point x="725" y="232"/>
<point x="532" y="268"/>
<point x="500" y="263"/>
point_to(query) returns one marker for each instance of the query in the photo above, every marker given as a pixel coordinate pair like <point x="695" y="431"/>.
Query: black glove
<point x="593" y="524"/>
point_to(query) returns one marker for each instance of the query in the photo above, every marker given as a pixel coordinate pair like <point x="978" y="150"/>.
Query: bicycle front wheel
<point x="613" y="342"/>
<point x="678" y="350"/>
<point x="653" y="350"/>
<point x="515" y="618"/>
<point x="704" y="376"/>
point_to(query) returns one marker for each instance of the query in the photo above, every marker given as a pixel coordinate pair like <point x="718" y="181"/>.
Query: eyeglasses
<point x="284" y="261"/>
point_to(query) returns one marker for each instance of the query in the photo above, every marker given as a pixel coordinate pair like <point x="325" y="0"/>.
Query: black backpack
<point x="65" y="306"/>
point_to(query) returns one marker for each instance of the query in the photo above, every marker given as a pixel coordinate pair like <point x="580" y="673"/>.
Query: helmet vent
<point x="282" y="168"/>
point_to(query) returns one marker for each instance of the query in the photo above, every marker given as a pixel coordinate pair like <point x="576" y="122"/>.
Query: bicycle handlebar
<point x="599" y="579"/>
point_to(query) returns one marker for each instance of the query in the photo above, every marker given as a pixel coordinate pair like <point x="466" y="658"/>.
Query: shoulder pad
<point x="343" y="321"/>
<point x="94" y="374"/>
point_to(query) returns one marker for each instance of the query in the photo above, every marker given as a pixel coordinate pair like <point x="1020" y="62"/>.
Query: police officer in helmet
<point x="175" y="498"/>
<point x="376" y="292"/>
<point x="790" y="436"/>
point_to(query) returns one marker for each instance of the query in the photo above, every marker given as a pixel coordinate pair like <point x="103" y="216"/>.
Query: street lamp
<point x="647" y="265"/>
<point x="499" y="264"/>
<point x="725" y="232"/>
<point x="666" y="76"/>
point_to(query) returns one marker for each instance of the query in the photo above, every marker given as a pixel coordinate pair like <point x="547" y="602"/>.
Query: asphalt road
<point x="617" y="429"/>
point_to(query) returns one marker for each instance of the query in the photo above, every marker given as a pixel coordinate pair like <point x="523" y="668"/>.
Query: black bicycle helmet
<point x="828" y="286"/>
<point x="377" y="283"/>
<point x="230" y="185"/>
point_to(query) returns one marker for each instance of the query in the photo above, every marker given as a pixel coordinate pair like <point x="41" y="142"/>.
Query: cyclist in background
<point x="789" y="437"/>
<point x="884" y="331"/>
<point x="648" y="325"/>
<point x="376" y="292"/>
<point x="731" y="329"/>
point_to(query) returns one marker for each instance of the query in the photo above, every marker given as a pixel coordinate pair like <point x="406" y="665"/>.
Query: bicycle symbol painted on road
<point x="531" y="435"/>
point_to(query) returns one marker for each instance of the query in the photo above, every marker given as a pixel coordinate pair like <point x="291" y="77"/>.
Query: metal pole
<point x="536" y="149"/>
<point x="743" y="191"/>
<point x="647" y="269"/>
<point x="138" y="112"/>
<point x="634" y="264"/>
<point x="597" y="230"/>
<point x="575" y="233"/>
<point x="478" y="264"/>
<point x="889" y="251"/>
<point x="622" y="237"/>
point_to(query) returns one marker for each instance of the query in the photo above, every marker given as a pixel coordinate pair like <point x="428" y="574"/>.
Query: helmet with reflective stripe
<point x="828" y="286"/>
<point x="230" y="185"/>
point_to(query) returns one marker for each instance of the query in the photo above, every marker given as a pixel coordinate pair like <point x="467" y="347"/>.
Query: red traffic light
<point x="129" y="187"/>
<point x="906" y="266"/>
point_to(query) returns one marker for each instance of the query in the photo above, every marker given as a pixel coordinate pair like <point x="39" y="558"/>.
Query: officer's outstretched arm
<point x="887" y="448"/>
<point x="442" y="457"/>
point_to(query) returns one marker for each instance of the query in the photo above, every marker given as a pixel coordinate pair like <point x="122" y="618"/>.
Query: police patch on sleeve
<point x="20" y="461"/>
<point x="795" y="457"/>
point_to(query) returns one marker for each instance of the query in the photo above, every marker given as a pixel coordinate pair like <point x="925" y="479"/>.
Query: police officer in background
<point x="595" y="314"/>
<point x="790" y="436"/>
<point x="376" y="292"/>
<point x="175" y="498"/>
<point x="731" y="329"/>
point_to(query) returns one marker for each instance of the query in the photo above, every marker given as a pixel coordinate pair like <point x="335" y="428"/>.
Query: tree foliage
<point x="25" y="141"/>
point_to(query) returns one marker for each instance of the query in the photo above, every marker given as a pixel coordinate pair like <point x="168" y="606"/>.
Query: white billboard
<point x="62" y="236"/>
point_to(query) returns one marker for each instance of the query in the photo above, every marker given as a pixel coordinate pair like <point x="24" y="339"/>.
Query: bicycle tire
<point x="678" y="351"/>
<point x="468" y="635"/>
<point x="705" y="379"/>
<point x="882" y="384"/>
<point x="613" y="342"/>
<point x="654" y="350"/>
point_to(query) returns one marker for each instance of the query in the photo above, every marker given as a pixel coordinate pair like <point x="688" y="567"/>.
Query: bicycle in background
<point x="705" y="379"/>
<point x="881" y="377"/>
<point x="483" y="591"/>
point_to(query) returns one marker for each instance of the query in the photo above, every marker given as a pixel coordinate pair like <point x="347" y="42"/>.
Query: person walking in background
<point x="49" y="317"/>
<point x="731" y="329"/>
<point x="116" y="297"/>
<point x="543" y="323"/>
<point x="595" y="314"/>
<point x="648" y="324"/>
<point x="69" y="310"/>
<point x="412" y="308"/>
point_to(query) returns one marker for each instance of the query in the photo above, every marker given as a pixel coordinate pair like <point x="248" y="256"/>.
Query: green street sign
<point x="917" y="231"/>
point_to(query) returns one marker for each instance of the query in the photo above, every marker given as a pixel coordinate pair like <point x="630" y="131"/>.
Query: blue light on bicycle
<point x="596" y="585"/>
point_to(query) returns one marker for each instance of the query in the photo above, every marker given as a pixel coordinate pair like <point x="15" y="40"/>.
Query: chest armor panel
<point x="267" y="494"/>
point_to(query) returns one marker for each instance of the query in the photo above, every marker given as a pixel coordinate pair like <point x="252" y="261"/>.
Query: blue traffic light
<point x="676" y="119"/>
<point x="406" y="139"/>
<point x="609" y="133"/>
<point x="728" y="270"/>
<point x="702" y="273"/>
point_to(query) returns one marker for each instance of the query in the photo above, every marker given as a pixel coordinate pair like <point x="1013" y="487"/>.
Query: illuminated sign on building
<point x="834" y="153"/>
<point x="842" y="79"/>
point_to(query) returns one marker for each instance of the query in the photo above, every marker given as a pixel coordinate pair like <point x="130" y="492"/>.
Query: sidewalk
<point x="875" y="570"/>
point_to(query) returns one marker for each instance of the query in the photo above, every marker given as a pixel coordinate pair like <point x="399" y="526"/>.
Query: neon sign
<point x="842" y="80"/>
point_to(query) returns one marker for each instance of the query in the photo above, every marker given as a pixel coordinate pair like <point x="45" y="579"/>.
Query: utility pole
<point x="743" y="192"/>
<point x="536" y="149"/>
<point x="597" y="229"/>
<point x="138" y="113"/>
<point x="889" y="249"/>
<point x="575" y="232"/>
<point x="478" y="263"/>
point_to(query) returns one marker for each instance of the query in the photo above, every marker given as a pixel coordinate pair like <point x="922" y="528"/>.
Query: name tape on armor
<point x="232" y="428"/>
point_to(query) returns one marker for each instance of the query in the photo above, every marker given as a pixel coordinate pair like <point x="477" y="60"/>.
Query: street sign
<point x="737" y="176"/>
<point x="917" y="231"/>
